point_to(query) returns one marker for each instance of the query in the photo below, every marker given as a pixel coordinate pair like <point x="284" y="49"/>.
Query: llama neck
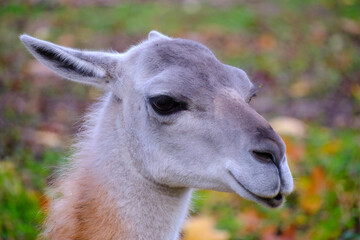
<point x="143" y="209"/>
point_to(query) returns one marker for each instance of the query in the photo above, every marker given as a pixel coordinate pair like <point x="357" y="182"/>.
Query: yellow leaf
<point x="355" y="90"/>
<point x="311" y="203"/>
<point x="310" y="190"/>
<point x="332" y="147"/>
<point x="300" y="219"/>
<point x="203" y="228"/>
<point x="300" y="89"/>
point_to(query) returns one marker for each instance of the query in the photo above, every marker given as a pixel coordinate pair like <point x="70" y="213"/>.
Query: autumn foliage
<point x="303" y="55"/>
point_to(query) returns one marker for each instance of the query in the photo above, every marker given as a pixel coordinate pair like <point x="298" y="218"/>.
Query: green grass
<point x="22" y="182"/>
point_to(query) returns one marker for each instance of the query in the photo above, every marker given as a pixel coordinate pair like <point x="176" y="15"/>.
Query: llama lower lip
<point x="271" y="202"/>
<point x="275" y="201"/>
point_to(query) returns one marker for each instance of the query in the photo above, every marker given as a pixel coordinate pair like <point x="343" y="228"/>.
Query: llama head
<point x="185" y="115"/>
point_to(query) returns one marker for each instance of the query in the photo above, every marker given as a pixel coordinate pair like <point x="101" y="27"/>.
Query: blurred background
<point x="304" y="55"/>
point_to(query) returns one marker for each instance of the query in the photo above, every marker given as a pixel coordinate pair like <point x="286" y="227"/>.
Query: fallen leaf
<point x="350" y="26"/>
<point x="311" y="190"/>
<point x="294" y="150"/>
<point x="300" y="89"/>
<point x="47" y="138"/>
<point x="203" y="228"/>
<point x="267" y="42"/>
<point x="332" y="147"/>
<point x="289" y="126"/>
<point x="310" y="203"/>
<point x="250" y="219"/>
<point x="355" y="90"/>
<point x="318" y="33"/>
<point x="318" y="177"/>
<point x="272" y="233"/>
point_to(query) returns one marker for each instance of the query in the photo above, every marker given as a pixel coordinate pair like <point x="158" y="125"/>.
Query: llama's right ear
<point x="89" y="67"/>
<point x="155" y="35"/>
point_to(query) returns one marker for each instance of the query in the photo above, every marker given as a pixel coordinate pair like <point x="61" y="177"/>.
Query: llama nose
<point x="268" y="155"/>
<point x="264" y="156"/>
<point x="271" y="147"/>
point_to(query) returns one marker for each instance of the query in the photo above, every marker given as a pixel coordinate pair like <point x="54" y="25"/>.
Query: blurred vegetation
<point x="305" y="55"/>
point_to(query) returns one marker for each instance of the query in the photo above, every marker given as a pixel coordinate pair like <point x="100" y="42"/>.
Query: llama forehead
<point x="188" y="68"/>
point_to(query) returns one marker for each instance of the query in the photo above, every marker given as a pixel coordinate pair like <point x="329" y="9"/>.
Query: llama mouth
<point x="272" y="202"/>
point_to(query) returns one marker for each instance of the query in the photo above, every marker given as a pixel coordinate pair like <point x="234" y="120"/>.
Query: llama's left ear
<point x="88" y="67"/>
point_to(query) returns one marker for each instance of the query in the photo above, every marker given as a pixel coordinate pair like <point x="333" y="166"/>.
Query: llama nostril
<point x="263" y="156"/>
<point x="278" y="197"/>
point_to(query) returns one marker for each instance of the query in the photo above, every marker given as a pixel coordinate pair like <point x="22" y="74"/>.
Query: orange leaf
<point x="294" y="151"/>
<point x="267" y="42"/>
<point x="319" y="179"/>
<point x="272" y="233"/>
<point x="311" y="189"/>
<point x="311" y="203"/>
<point x="250" y="219"/>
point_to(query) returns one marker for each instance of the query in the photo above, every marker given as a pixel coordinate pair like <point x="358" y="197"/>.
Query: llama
<point x="172" y="118"/>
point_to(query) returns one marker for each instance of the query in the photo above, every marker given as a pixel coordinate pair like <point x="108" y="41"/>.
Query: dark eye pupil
<point x="166" y="105"/>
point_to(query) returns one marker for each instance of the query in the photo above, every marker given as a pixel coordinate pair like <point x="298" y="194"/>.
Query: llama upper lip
<point x="274" y="201"/>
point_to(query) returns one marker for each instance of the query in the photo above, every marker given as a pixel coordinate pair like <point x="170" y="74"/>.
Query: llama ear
<point x="155" y="35"/>
<point x="88" y="67"/>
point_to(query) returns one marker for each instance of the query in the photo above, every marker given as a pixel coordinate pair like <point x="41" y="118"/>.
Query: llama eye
<point x="165" y="105"/>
